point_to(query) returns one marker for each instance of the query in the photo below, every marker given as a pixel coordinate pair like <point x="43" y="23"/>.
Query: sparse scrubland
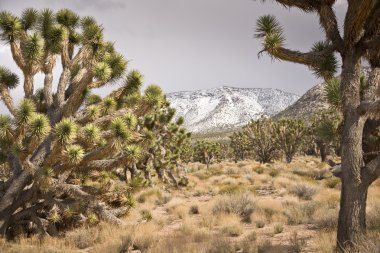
<point x="84" y="173"/>
<point x="230" y="207"/>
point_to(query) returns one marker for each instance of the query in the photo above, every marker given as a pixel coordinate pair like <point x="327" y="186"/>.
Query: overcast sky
<point x="194" y="44"/>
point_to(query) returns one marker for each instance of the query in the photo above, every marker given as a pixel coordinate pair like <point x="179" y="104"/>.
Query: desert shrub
<point x="326" y="218"/>
<point x="221" y="245"/>
<point x="146" y="215"/>
<point x="229" y="189"/>
<point x="194" y="210"/>
<point x="147" y="194"/>
<point x="278" y="228"/>
<point x="234" y="229"/>
<point x="300" y="213"/>
<point x="259" y="170"/>
<point x="332" y="182"/>
<point x="83" y="238"/>
<point x="260" y="224"/>
<point x="373" y="216"/>
<point x="296" y="244"/>
<point x="143" y="242"/>
<point x="251" y="236"/>
<point x="125" y="244"/>
<point x="304" y="191"/>
<point x="241" y="205"/>
<point x="163" y="199"/>
<point x="274" y="173"/>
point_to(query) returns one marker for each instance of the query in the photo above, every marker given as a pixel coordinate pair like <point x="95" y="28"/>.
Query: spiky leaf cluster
<point x="59" y="138"/>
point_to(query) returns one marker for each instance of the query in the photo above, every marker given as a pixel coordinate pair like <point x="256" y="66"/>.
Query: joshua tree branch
<point x="371" y="91"/>
<point x="76" y="98"/>
<point x="371" y="171"/>
<point x="98" y="207"/>
<point x="329" y="23"/>
<point x="311" y="59"/>
<point x="65" y="75"/>
<point x="372" y="24"/>
<point x="370" y="109"/>
<point x="17" y="56"/>
<point x="370" y="44"/>
<point x="28" y="84"/>
<point x="7" y="99"/>
<point x="304" y="5"/>
<point x="48" y="80"/>
<point x="356" y="17"/>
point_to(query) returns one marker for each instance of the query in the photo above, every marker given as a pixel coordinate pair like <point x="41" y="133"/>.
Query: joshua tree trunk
<point x="352" y="214"/>
<point x="359" y="40"/>
<point x="323" y="151"/>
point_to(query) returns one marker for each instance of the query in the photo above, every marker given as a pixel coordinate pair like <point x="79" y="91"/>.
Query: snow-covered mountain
<point x="224" y="108"/>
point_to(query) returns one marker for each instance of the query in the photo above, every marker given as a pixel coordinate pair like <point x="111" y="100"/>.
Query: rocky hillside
<point x="223" y="108"/>
<point x="312" y="101"/>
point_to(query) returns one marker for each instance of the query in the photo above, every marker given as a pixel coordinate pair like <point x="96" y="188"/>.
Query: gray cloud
<point x="187" y="45"/>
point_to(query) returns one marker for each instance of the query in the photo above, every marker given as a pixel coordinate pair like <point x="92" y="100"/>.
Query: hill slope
<point x="223" y="108"/>
<point x="312" y="101"/>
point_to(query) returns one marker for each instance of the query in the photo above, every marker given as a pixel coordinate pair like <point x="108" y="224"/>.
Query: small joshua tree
<point x="262" y="137"/>
<point x="239" y="142"/>
<point x="325" y="131"/>
<point x="208" y="152"/>
<point x="57" y="138"/>
<point x="289" y="135"/>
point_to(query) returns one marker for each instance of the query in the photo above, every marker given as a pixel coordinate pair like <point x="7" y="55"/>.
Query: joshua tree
<point x="324" y="131"/>
<point x="56" y="136"/>
<point x="289" y="134"/>
<point x="240" y="145"/>
<point x="262" y="137"/>
<point x="359" y="40"/>
<point x="208" y="152"/>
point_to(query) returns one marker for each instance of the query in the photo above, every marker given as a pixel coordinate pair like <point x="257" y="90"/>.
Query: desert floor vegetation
<point x="229" y="207"/>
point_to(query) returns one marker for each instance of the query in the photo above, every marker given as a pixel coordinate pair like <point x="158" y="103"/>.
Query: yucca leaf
<point x="93" y="99"/>
<point x="5" y="126"/>
<point x="10" y="26"/>
<point x="268" y="25"/>
<point x="332" y="93"/>
<point x="90" y="133"/>
<point x="154" y="95"/>
<point x="29" y="18"/>
<point x="133" y="82"/>
<point x="25" y="111"/>
<point x="8" y="78"/>
<point x="67" y="18"/>
<point x="66" y="131"/>
<point x="120" y="129"/>
<point x="39" y="125"/>
<point x="133" y="152"/>
<point x="118" y="65"/>
<point x="93" y="111"/>
<point x="180" y="121"/>
<point x="131" y="120"/>
<point x="328" y="66"/>
<point x="74" y="153"/>
<point x="109" y="104"/>
<point x="46" y="21"/>
<point x="32" y="48"/>
<point x="56" y="37"/>
<point x="103" y="71"/>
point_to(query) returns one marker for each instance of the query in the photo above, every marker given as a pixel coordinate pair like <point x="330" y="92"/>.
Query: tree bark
<point x="352" y="213"/>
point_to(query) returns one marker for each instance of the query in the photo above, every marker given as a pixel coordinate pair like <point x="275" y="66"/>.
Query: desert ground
<point x="230" y="207"/>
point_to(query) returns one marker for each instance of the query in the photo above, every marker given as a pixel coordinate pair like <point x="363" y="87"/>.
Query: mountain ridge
<point x="227" y="107"/>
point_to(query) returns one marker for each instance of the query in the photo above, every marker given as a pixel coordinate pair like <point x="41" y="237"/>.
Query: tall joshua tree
<point x="54" y="134"/>
<point x="359" y="40"/>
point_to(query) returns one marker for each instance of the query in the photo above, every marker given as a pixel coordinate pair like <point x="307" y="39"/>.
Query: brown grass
<point x="243" y="207"/>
